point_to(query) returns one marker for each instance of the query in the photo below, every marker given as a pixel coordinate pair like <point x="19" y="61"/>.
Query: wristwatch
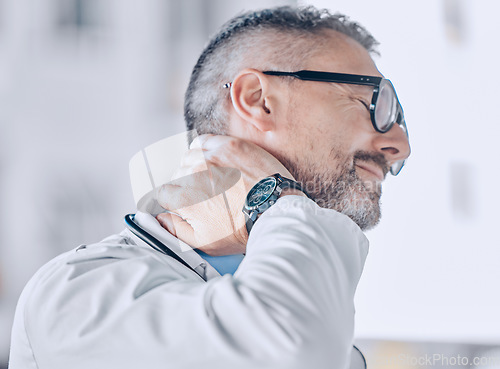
<point x="265" y="194"/>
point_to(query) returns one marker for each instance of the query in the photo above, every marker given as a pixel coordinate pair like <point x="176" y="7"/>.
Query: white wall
<point x="434" y="262"/>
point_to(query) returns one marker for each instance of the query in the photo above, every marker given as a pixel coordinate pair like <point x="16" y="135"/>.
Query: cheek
<point x="314" y="132"/>
<point x="349" y="115"/>
<point x="318" y="123"/>
<point x="351" y="126"/>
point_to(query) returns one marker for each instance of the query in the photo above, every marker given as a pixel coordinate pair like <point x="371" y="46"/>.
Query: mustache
<point x="378" y="159"/>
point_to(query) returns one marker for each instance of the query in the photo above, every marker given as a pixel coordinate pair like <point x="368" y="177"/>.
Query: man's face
<point x="327" y="140"/>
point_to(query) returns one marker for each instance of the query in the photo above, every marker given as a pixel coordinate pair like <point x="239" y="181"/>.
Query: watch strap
<point x="250" y="220"/>
<point x="290" y="183"/>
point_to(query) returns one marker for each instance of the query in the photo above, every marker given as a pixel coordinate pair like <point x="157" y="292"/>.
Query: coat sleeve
<point x="289" y="304"/>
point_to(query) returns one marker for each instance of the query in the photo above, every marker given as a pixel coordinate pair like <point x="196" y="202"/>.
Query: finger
<point x="196" y="188"/>
<point x="197" y="182"/>
<point x="166" y="194"/>
<point x="211" y="142"/>
<point x="226" y="151"/>
<point x="185" y="232"/>
<point x="185" y="172"/>
<point x="224" y="178"/>
<point x="194" y="159"/>
<point x="166" y="221"/>
<point x="209" y="183"/>
<point x="198" y="141"/>
<point x="178" y="227"/>
<point x="185" y="191"/>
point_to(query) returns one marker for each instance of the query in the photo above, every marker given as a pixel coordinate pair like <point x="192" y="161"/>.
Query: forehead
<point x="342" y="54"/>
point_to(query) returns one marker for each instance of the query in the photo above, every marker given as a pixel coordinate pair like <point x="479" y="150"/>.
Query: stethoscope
<point x="159" y="246"/>
<point x="154" y="242"/>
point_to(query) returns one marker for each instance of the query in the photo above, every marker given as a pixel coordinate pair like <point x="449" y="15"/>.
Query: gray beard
<point x="344" y="192"/>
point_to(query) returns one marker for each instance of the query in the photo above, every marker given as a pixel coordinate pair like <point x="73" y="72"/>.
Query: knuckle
<point x="235" y="145"/>
<point x="162" y="195"/>
<point x="213" y="158"/>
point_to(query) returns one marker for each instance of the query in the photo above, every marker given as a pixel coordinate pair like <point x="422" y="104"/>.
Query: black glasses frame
<point x="354" y="79"/>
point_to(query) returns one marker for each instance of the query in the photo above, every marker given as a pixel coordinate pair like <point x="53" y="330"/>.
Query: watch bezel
<point x="280" y="183"/>
<point x="255" y="188"/>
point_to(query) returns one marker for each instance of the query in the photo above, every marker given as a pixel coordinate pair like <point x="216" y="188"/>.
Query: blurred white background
<point x="85" y="84"/>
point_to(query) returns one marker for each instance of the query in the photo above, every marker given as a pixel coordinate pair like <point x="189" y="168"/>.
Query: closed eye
<point x="364" y="104"/>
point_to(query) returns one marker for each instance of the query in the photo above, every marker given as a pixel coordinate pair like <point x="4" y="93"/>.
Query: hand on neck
<point x="221" y="247"/>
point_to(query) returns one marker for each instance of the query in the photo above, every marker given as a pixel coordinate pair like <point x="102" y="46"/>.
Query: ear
<point x="252" y="100"/>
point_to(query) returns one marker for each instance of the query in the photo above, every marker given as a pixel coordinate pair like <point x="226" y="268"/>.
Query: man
<point x="331" y="135"/>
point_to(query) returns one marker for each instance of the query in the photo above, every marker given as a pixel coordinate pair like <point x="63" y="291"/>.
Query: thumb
<point x="178" y="227"/>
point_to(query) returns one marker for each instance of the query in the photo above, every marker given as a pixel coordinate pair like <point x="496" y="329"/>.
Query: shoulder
<point x="114" y="257"/>
<point x="86" y="259"/>
<point x="114" y="268"/>
<point x="82" y="294"/>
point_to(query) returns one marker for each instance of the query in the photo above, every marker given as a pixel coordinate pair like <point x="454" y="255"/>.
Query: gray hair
<point x="269" y="39"/>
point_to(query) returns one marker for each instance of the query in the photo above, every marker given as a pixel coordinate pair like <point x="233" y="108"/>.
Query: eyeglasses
<point x="385" y="109"/>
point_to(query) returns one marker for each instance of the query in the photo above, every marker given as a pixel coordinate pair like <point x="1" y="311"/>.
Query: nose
<point x="394" y="144"/>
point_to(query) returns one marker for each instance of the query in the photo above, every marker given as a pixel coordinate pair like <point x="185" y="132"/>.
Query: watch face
<point x="261" y="192"/>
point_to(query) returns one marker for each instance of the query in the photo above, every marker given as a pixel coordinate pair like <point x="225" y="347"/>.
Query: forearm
<point x="301" y="270"/>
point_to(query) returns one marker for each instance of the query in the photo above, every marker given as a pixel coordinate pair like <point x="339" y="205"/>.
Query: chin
<point x="341" y="188"/>
<point x="351" y="196"/>
<point x="366" y="219"/>
<point x="362" y="207"/>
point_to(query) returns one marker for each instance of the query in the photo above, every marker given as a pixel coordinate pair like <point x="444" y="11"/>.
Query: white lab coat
<point x="120" y="304"/>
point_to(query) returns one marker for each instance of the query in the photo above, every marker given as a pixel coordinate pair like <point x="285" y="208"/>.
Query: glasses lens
<point x="402" y="123"/>
<point x="386" y="107"/>
<point x="396" y="167"/>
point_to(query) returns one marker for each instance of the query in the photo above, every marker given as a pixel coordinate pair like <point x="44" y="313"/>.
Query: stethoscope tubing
<point x="154" y="242"/>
